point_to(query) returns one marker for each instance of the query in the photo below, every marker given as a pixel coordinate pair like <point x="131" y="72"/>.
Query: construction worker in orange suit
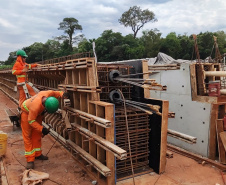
<point x="19" y="69"/>
<point x="31" y="122"/>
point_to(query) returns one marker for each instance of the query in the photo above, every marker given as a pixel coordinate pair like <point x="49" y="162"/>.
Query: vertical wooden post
<point x="110" y="136"/>
<point x="212" y="131"/>
<point x="145" y="76"/>
<point x="164" y="127"/>
<point x="193" y="82"/>
<point x="219" y="129"/>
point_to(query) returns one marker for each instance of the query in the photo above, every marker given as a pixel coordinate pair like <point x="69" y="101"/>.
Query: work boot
<point x="30" y="165"/>
<point x="42" y="157"/>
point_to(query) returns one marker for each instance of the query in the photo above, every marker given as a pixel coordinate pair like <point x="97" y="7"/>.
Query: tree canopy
<point x="69" y="25"/>
<point x="136" y="18"/>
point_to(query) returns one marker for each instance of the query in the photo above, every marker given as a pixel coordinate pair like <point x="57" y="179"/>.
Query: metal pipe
<point x="181" y="136"/>
<point x="215" y="73"/>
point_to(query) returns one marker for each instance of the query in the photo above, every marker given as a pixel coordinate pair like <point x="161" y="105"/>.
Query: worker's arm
<point x="30" y="66"/>
<point x="32" y="116"/>
<point x="55" y="94"/>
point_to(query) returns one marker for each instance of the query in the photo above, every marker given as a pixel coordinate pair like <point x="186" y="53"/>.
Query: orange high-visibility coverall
<point x="31" y="123"/>
<point x="22" y="77"/>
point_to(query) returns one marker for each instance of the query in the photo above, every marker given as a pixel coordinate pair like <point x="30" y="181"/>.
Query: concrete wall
<point x="191" y="117"/>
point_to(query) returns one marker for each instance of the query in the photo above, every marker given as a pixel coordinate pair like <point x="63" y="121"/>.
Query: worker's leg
<point x="22" y="97"/>
<point x="30" y="90"/>
<point x="27" y="133"/>
<point x="36" y="138"/>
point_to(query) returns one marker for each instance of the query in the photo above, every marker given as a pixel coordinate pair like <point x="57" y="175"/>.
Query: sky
<point x="23" y="22"/>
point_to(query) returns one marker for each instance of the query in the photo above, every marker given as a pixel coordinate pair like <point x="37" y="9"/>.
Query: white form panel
<point x="191" y="117"/>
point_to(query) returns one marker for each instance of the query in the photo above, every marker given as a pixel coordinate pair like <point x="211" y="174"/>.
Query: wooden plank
<point x="101" y="154"/>
<point x="93" y="80"/>
<point x="193" y="82"/>
<point x="164" y="127"/>
<point x="219" y="129"/>
<point x="181" y="136"/>
<point x="88" y="117"/>
<point x="212" y="131"/>
<point x="223" y="139"/>
<point x="92" y="128"/>
<point x="68" y="76"/>
<point x="110" y="136"/>
<point x="169" y="154"/>
<point x="103" y="143"/>
<point x="206" y="99"/>
<point x="221" y="111"/>
<point x="90" y="159"/>
<point x="196" y="157"/>
<point x="201" y="87"/>
<point x="75" y="77"/>
<point x="145" y="76"/>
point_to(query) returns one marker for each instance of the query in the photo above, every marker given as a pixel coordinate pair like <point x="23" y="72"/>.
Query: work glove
<point x="45" y="131"/>
<point x="66" y="95"/>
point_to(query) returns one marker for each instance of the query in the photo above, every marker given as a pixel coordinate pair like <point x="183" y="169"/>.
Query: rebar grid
<point x="107" y="86"/>
<point x="138" y="122"/>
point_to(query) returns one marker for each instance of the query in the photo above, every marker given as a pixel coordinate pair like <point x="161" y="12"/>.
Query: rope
<point x="58" y="134"/>
<point x="53" y="144"/>
<point x="127" y="128"/>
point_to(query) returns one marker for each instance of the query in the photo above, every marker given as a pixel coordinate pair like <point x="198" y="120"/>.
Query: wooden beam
<point x="90" y="159"/>
<point x="164" y="126"/>
<point x="219" y="129"/>
<point x="145" y="76"/>
<point x="223" y="139"/>
<point x="118" y="152"/>
<point x="196" y="156"/>
<point x="193" y="82"/>
<point x="184" y="137"/>
<point x="80" y="88"/>
<point x="215" y="73"/>
<point x="110" y="136"/>
<point x="169" y="154"/>
<point x="89" y="117"/>
<point x="212" y="131"/>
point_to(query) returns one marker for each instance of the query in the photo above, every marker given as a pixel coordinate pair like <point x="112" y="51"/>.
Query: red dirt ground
<point x="61" y="167"/>
<point x="64" y="170"/>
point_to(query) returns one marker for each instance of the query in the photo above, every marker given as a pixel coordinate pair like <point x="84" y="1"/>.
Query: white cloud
<point x="24" y="22"/>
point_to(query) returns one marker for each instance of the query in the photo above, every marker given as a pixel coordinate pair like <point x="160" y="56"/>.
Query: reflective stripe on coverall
<point x="22" y="77"/>
<point x="31" y="123"/>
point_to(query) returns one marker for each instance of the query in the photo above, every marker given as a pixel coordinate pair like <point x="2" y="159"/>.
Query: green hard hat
<point x="51" y="104"/>
<point x="21" y="53"/>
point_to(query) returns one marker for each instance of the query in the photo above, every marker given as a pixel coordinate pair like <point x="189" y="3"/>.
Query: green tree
<point x="136" y="18"/>
<point x="151" y="40"/>
<point x="51" y="49"/>
<point x="186" y="45"/>
<point x="205" y="44"/>
<point x="85" y="45"/>
<point x="69" y="25"/>
<point x="221" y="41"/>
<point x="171" y="45"/>
<point x="35" y="52"/>
<point x="105" y="45"/>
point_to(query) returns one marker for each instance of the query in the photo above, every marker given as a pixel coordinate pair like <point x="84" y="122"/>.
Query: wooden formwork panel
<point x="89" y="138"/>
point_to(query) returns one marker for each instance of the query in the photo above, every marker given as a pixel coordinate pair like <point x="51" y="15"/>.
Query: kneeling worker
<point x="31" y="122"/>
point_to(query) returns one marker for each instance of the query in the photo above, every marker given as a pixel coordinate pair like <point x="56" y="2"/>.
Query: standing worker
<point x="33" y="110"/>
<point x="19" y="69"/>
